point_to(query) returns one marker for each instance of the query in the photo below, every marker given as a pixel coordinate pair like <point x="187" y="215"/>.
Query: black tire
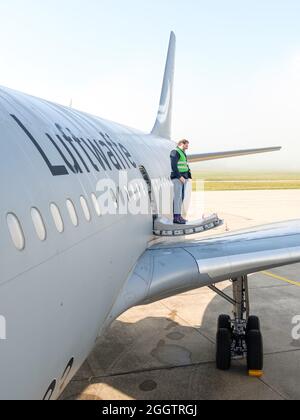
<point x="223" y="356"/>
<point x="224" y="321"/>
<point x="255" y="355"/>
<point x="253" y="323"/>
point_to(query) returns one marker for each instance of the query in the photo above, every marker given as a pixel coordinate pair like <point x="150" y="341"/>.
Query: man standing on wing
<point x="180" y="176"/>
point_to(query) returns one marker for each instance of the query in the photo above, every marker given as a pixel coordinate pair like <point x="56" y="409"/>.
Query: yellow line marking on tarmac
<point x="267" y="273"/>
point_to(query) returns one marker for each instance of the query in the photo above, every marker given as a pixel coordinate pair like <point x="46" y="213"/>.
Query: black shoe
<point x="181" y="218"/>
<point x="179" y="221"/>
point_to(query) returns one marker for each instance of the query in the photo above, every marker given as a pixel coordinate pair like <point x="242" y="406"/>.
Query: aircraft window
<point x="57" y="217"/>
<point x="72" y="212"/>
<point x="15" y="231"/>
<point x="96" y="205"/>
<point x="38" y="224"/>
<point x="85" y="209"/>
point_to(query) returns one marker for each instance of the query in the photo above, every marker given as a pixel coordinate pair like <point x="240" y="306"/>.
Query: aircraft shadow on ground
<point x="165" y="357"/>
<point x="154" y="344"/>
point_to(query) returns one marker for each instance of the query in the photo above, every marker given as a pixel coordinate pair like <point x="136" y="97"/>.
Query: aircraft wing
<point x="170" y="268"/>
<point x="234" y="153"/>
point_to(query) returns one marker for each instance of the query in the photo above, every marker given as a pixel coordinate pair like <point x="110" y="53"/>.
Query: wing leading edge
<point x="169" y="269"/>
<point x="235" y="153"/>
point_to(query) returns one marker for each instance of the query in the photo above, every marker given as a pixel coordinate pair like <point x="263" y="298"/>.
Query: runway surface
<point x="166" y="351"/>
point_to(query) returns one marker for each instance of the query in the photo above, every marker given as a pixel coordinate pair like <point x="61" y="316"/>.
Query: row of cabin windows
<point x="16" y="232"/>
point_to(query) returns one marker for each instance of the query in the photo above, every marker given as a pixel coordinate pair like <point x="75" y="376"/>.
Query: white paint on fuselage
<point x="56" y="294"/>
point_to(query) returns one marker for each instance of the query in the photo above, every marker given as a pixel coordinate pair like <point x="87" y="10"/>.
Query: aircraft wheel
<point x="255" y="353"/>
<point x="223" y="356"/>
<point x="253" y="324"/>
<point x="224" y="321"/>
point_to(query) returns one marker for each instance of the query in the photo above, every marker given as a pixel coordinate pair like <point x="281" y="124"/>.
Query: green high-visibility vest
<point x="183" y="166"/>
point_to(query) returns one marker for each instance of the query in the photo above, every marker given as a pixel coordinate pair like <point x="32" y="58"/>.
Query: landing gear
<point x="239" y="337"/>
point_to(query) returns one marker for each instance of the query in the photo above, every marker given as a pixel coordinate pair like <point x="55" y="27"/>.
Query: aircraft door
<point x="147" y="179"/>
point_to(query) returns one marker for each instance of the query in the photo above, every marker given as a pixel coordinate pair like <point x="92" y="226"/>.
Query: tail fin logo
<point x="164" y="108"/>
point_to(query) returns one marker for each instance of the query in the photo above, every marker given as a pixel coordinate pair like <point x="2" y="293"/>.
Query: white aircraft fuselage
<point x="58" y="287"/>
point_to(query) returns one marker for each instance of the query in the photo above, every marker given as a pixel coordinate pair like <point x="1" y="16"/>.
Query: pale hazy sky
<point x="237" y="74"/>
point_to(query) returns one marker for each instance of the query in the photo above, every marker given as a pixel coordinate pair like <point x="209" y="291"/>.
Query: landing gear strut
<point x="239" y="337"/>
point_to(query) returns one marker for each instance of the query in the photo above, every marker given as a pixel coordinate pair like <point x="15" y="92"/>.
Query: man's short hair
<point x="184" y="141"/>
